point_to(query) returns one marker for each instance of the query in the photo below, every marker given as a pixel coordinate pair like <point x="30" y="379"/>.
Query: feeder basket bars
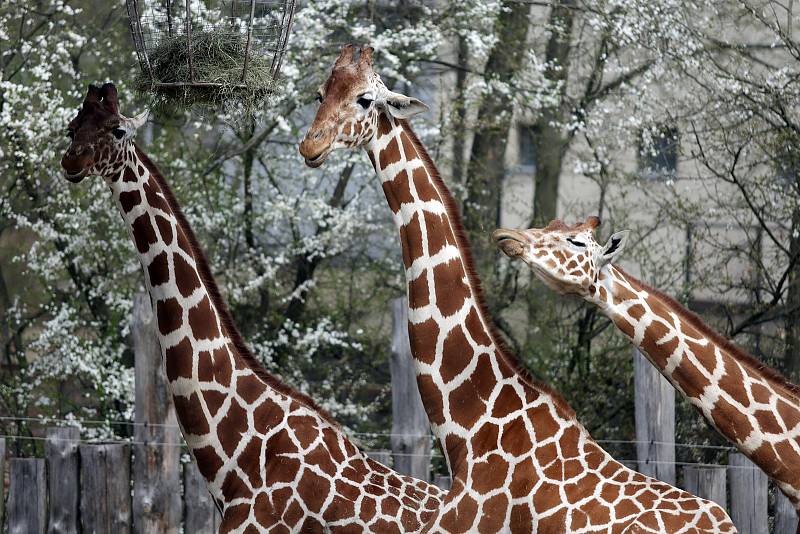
<point x="207" y="50"/>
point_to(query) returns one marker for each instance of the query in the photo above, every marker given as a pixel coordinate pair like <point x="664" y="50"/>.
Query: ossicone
<point x="105" y="95"/>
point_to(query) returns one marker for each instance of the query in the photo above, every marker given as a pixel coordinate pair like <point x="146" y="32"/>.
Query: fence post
<point x="27" y="496"/>
<point x="63" y="479"/>
<point x="382" y="456"/>
<point x="786" y="520"/>
<point x="748" y="495"/>
<point x="202" y="516"/>
<point x="443" y="482"/>
<point x="105" y="488"/>
<point x="706" y="482"/>
<point x="2" y="481"/>
<point x="156" y="455"/>
<point x="655" y="420"/>
<point x="411" y="444"/>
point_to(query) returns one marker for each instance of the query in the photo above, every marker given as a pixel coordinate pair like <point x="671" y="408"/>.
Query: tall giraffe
<point x="273" y="461"/>
<point x="753" y="406"/>
<point x="520" y="461"/>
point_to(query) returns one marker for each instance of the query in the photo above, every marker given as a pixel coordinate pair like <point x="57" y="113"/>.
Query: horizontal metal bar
<point x="178" y="85"/>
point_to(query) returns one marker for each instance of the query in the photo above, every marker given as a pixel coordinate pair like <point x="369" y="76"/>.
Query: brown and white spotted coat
<point x="753" y="406"/>
<point x="520" y="461"/>
<point x="273" y="461"/>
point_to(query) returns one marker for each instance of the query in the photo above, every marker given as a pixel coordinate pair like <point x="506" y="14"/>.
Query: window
<point x="787" y="163"/>
<point x="658" y="154"/>
<point x="527" y="150"/>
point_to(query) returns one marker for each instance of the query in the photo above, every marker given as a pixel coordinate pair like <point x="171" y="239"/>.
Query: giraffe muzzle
<point x="510" y="242"/>
<point x="316" y="146"/>
<point x="318" y="160"/>
<point x="76" y="166"/>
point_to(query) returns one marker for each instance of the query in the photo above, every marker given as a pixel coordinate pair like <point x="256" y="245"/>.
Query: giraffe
<point x="273" y="461"/>
<point x="520" y="461"/>
<point x="753" y="406"/>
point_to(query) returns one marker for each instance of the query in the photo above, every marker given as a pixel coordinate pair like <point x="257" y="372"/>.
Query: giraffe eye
<point x="364" y="102"/>
<point x="71" y="133"/>
<point x="119" y="133"/>
<point x="576" y="243"/>
<point x="319" y="98"/>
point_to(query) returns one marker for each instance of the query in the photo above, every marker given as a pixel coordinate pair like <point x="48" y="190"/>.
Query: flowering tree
<point x="301" y="256"/>
<point x="308" y="260"/>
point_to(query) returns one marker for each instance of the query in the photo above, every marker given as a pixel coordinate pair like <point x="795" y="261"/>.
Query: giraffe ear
<point x="615" y="245"/>
<point x="401" y="106"/>
<point x="131" y="124"/>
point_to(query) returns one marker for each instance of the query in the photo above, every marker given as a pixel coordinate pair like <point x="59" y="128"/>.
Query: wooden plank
<point x="786" y="520"/>
<point x="443" y="482"/>
<point x="655" y="420"/>
<point x="105" y="488"/>
<point x="2" y="481"/>
<point x="201" y="516"/>
<point x="748" y="486"/>
<point x="156" y="454"/>
<point x="410" y="440"/>
<point x="383" y="456"/>
<point x="27" y="496"/>
<point x="63" y="474"/>
<point x="706" y="482"/>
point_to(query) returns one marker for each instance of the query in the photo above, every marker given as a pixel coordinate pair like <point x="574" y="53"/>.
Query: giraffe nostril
<point x="317" y="135"/>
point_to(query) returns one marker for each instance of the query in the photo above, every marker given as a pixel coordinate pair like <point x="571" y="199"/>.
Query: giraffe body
<point x="751" y="405"/>
<point x="520" y="461"/>
<point x="272" y="460"/>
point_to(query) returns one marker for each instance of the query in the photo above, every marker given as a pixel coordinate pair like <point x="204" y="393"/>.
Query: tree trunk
<point x="550" y="144"/>
<point x="459" y="122"/>
<point x="792" y="355"/>
<point x="247" y="172"/>
<point x="307" y="265"/>
<point x="549" y="141"/>
<point x="486" y="167"/>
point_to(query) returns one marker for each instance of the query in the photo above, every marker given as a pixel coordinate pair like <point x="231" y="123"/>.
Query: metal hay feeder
<point x="176" y="39"/>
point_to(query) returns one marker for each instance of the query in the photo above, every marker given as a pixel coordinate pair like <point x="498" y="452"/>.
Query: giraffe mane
<point x="741" y="355"/>
<point x="454" y="215"/>
<point x="219" y="302"/>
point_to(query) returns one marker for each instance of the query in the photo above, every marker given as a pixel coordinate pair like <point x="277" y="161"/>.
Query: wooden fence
<point x="740" y="485"/>
<point x="142" y="486"/>
<point x="87" y="488"/>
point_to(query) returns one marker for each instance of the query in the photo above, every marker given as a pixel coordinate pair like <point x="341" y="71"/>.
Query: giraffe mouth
<point x="75" y="177"/>
<point x="510" y="242"/>
<point x="318" y="160"/>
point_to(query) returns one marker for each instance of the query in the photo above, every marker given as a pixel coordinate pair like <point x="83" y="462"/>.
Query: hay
<point x="217" y="57"/>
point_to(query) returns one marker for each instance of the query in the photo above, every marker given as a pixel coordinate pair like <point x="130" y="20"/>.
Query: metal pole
<point x="189" y="38"/>
<point x="169" y="18"/>
<point x="138" y="37"/>
<point x="283" y="37"/>
<point x="249" y="35"/>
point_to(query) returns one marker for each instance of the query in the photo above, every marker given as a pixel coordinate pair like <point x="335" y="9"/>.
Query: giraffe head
<point x="566" y="258"/>
<point x="350" y="102"/>
<point x="99" y="135"/>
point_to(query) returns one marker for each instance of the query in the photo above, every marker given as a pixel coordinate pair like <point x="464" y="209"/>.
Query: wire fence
<point x="43" y="421"/>
<point x="747" y="486"/>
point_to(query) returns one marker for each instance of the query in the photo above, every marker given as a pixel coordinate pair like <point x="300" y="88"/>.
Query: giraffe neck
<point x="210" y="375"/>
<point x="517" y="455"/>
<point x="189" y="324"/>
<point x="262" y="447"/>
<point x="445" y="321"/>
<point x="463" y="375"/>
<point x="753" y="407"/>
